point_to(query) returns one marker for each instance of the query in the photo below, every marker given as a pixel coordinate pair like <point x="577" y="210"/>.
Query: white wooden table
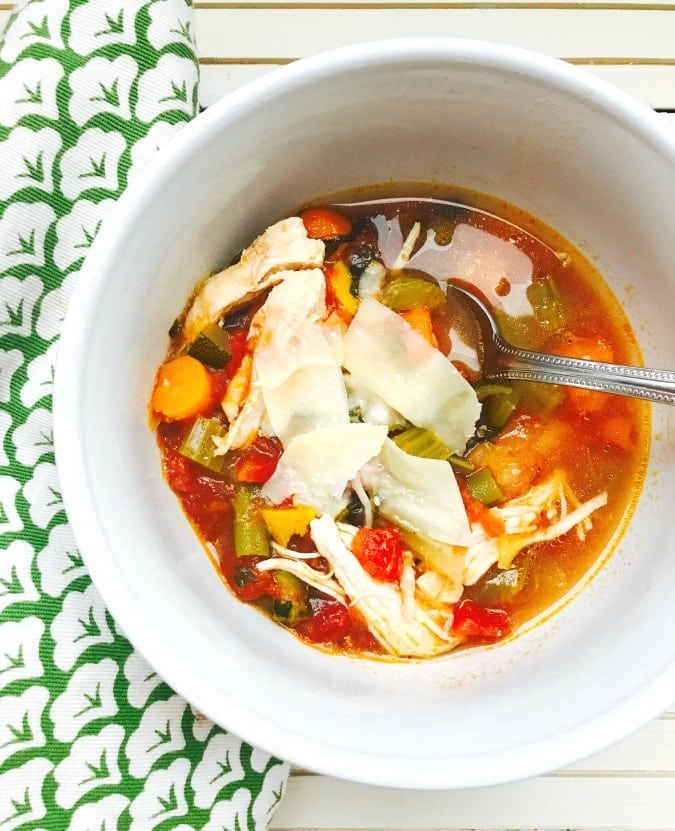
<point x="632" y="44"/>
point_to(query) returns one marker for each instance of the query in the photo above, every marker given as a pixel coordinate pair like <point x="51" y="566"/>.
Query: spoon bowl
<point x="503" y="361"/>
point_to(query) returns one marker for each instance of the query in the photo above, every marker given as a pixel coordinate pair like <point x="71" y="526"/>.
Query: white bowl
<point x="584" y="157"/>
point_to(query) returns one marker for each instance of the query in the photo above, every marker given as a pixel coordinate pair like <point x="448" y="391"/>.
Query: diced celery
<point x="483" y="487"/>
<point x="460" y="463"/>
<point x="547" y="303"/>
<point x="542" y="398"/>
<point x="250" y="532"/>
<point x="498" y="407"/>
<point x="211" y="347"/>
<point x="291" y="606"/>
<point x="418" y="441"/>
<point x="198" y="445"/>
<point x="408" y="291"/>
<point x="487" y="389"/>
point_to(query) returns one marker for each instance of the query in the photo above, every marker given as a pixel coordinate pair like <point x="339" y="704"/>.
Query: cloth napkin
<point x="90" y="738"/>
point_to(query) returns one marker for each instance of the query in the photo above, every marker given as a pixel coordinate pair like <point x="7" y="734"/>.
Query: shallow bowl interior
<point x="581" y="156"/>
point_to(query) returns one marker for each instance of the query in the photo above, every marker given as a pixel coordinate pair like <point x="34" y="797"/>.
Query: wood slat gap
<point x="370" y="6"/>
<point x="577" y="61"/>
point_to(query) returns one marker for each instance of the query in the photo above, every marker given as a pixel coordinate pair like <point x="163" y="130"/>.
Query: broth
<point x="385" y="246"/>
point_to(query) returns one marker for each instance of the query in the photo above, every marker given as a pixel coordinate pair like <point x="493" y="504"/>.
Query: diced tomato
<point x="475" y="622"/>
<point x="322" y="223"/>
<point x="259" y="461"/>
<point x="329" y="624"/>
<point x="380" y="552"/>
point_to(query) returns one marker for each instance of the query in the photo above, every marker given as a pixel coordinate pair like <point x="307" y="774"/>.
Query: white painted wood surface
<point x="630" y="786"/>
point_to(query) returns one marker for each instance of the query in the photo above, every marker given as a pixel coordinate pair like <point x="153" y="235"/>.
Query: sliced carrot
<point x="419" y="317"/>
<point x="183" y="389"/>
<point x="322" y="223"/>
<point x="618" y="430"/>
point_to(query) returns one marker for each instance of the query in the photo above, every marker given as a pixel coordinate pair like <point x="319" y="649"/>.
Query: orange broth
<point x="600" y="441"/>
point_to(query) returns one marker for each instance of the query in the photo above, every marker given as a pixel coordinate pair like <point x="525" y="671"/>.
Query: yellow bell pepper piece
<point x="340" y="282"/>
<point x="283" y="523"/>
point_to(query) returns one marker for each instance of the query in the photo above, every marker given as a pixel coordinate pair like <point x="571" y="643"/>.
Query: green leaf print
<point x="33" y="96"/>
<point x="3" y="514"/>
<point x="97" y="168"/>
<point x="34" y="170"/>
<point x="88" y="236"/>
<point x="94" y="701"/>
<point x="21" y="734"/>
<point x="14" y="315"/>
<point x="75" y="561"/>
<point x="26" y="246"/>
<point x="90" y="628"/>
<point x="100" y="771"/>
<point x="115" y="24"/>
<point x="37" y="30"/>
<point x="14" y="663"/>
<point x="168" y="804"/>
<point x="162" y="736"/>
<point x="20" y="808"/>
<point x="225" y="768"/>
<point x="179" y="93"/>
<point x="11" y="586"/>
<point x="183" y="30"/>
<point x="108" y="94"/>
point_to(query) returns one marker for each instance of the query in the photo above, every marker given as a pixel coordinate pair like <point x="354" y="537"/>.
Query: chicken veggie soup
<point x="323" y="420"/>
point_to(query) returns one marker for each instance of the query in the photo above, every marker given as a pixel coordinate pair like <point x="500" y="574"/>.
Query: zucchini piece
<point x="211" y="347"/>
<point x="292" y="605"/>
<point x="488" y="389"/>
<point x="353" y="513"/>
<point x="497" y="407"/>
<point x="418" y="441"/>
<point x="408" y="291"/>
<point x="198" y="446"/>
<point x="483" y="487"/>
<point x="250" y="532"/>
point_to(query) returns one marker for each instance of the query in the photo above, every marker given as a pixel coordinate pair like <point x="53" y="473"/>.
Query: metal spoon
<point x="502" y="360"/>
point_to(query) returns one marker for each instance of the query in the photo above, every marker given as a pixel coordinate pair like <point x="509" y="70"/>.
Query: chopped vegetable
<point x="198" y="444"/>
<point x="499" y="404"/>
<point x="339" y="282"/>
<point x="589" y="349"/>
<point x="250" y="532"/>
<point x="211" y="346"/>
<point x="379" y="551"/>
<point x="322" y="223"/>
<point x="502" y="586"/>
<point x="290" y="604"/>
<point x="330" y="623"/>
<point x="483" y="487"/>
<point x="418" y="441"/>
<point x="542" y="398"/>
<point x="419" y="317"/>
<point x="619" y="431"/>
<point x="183" y="389"/>
<point x="474" y="622"/>
<point x="354" y="513"/>
<point x="460" y="463"/>
<point x="284" y="523"/>
<point x="547" y="303"/>
<point x="259" y="461"/>
<point x="408" y="291"/>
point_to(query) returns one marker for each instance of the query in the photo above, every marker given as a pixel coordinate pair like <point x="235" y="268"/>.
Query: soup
<point x="322" y="417"/>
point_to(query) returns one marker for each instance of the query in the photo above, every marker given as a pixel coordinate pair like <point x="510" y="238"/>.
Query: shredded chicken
<point x="539" y="515"/>
<point x="283" y="248"/>
<point x="400" y="620"/>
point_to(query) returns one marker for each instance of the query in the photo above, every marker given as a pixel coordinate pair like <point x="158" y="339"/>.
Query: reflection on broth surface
<point x="322" y="418"/>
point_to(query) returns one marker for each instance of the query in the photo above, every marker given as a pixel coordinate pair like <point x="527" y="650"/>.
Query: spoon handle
<point x="652" y="384"/>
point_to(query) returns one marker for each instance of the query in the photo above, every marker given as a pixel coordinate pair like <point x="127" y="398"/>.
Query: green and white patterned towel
<point x="90" y="738"/>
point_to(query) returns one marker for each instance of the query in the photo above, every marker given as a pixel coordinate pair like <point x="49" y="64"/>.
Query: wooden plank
<point x="640" y="802"/>
<point x="655" y="85"/>
<point x="636" y="36"/>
